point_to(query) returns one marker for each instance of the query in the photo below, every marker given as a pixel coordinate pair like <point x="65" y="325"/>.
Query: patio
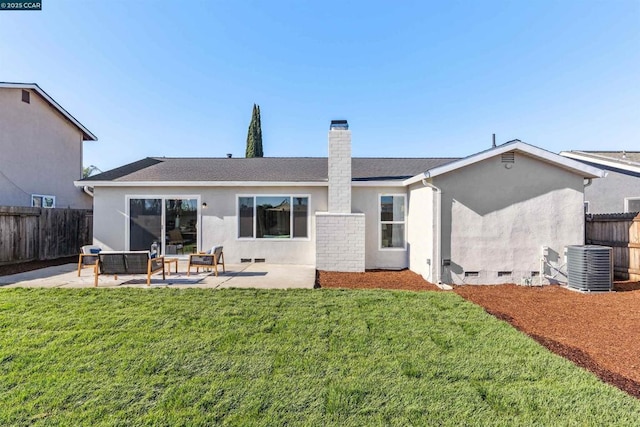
<point x="249" y="275"/>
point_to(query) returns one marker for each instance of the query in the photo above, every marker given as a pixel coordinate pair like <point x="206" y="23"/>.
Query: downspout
<point x="88" y="190"/>
<point x="438" y="260"/>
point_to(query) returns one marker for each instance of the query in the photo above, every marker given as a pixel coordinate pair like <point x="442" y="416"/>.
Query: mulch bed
<point x="405" y="280"/>
<point x="599" y="332"/>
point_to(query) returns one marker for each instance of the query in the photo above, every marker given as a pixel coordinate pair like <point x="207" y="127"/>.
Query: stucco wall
<point x="41" y="153"/>
<point x="497" y="219"/>
<point x="365" y="200"/>
<point x="219" y="223"/>
<point x="606" y="195"/>
<point x="422" y="231"/>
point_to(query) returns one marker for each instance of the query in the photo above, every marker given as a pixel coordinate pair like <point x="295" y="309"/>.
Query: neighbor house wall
<point x="422" y="232"/>
<point x="366" y="200"/>
<point x="496" y="219"/>
<point x="219" y="223"/>
<point x="41" y="152"/>
<point x="606" y="195"/>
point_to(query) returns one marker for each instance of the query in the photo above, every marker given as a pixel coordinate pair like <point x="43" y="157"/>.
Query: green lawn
<point x="245" y="357"/>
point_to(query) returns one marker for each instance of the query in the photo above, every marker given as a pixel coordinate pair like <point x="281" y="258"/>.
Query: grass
<point x="246" y="357"/>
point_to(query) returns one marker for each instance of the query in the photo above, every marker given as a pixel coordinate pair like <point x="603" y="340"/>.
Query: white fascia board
<point x="230" y="184"/>
<point x="600" y="161"/>
<point x="88" y="135"/>
<point x="199" y="184"/>
<point x="576" y="167"/>
<point x="377" y="183"/>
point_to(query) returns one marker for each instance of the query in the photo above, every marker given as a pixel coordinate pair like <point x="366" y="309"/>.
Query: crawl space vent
<point x="590" y="268"/>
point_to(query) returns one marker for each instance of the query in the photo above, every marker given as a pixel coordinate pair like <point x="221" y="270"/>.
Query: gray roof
<point x="270" y="169"/>
<point x="622" y="157"/>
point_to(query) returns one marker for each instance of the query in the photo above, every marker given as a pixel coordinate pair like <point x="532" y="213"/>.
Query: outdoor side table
<point x="169" y="261"/>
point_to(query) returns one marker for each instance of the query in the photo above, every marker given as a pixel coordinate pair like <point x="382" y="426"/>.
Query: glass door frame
<point x="163" y="216"/>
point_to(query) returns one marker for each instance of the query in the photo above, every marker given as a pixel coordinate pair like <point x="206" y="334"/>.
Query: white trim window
<point x="268" y="216"/>
<point x="43" y="201"/>
<point x="393" y="220"/>
<point x="632" y="204"/>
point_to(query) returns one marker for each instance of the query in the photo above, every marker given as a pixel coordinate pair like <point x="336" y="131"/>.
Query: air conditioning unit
<point x="590" y="268"/>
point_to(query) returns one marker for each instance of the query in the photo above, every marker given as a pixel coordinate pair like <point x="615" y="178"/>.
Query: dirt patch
<point x="598" y="332"/>
<point x="374" y="279"/>
<point x="6" y="270"/>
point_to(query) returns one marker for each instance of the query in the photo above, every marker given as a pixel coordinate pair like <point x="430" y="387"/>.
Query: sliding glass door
<point x="145" y="223"/>
<point x="170" y="222"/>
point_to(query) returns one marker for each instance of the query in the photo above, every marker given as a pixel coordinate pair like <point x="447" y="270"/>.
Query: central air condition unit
<point x="590" y="268"/>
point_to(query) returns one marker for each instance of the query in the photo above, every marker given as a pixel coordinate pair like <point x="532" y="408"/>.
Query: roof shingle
<point x="270" y="169"/>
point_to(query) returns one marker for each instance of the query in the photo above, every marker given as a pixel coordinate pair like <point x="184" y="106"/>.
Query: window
<point x="42" y="201"/>
<point x="273" y="217"/>
<point x="26" y="96"/>
<point x="392" y="221"/>
<point x="632" y="204"/>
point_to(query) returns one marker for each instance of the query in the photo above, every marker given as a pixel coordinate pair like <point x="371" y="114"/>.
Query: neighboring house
<point x="487" y="218"/>
<point x="619" y="191"/>
<point x="41" y="146"/>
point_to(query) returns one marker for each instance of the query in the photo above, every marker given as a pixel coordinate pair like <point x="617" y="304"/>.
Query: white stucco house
<point x="619" y="191"/>
<point x="486" y="218"/>
<point x="41" y="145"/>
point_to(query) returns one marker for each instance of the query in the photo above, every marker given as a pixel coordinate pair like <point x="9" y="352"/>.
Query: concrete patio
<point x="249" y="275"/>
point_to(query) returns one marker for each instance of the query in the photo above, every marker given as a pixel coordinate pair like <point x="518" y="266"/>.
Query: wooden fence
<point x="28" y="234"/>
<point x="622" y="233"/>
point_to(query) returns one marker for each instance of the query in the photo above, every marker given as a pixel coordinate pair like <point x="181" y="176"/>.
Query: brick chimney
<point x="339" y="167"/>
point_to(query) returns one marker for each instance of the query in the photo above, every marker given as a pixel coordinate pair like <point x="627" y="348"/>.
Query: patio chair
<point x="176" y="239"/>
<point x="210" y="259"/>
<point x="88" y="257"/>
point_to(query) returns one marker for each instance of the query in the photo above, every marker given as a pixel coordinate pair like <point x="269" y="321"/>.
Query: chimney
<point x="339" y="167"/>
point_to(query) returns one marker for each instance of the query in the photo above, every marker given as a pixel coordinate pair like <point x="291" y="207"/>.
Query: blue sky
<point x="414" y="79"/>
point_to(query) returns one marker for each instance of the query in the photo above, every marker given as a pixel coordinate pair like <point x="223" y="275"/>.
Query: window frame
<point x="626" y="202"/>
<point x="291" y="196"/>
<point x="42" y="196"/>
<point x="381" y="222"/>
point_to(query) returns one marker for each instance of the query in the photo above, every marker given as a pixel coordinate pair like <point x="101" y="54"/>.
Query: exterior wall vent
<point x="471" y="274"/>
<point x="245" y="259"/>
<point x="26" y="96"/>
<point x="259" y="260"/>
<point x="509" y="157"/>
<point x="590" y="268"/>
<point x="504" y="274"/>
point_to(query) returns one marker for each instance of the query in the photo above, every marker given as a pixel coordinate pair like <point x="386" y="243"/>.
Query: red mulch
<point x="375" y="279"/>
<point x="599" y="332"/>
<point x="6" y="270"/>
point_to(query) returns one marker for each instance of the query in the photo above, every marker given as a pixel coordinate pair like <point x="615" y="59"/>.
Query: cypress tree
<point x="254" y="135"/>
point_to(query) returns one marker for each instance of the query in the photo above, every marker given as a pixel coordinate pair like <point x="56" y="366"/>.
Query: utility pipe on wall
<point x="438" y="260"/>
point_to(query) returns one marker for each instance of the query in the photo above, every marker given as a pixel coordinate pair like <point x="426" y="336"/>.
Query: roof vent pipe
<point x="493" y="145"/>
<point x="229" y="155"/>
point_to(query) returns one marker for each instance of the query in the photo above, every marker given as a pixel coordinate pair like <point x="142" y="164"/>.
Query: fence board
<point x="28" y="234"/>
<point x="622" y="232"/>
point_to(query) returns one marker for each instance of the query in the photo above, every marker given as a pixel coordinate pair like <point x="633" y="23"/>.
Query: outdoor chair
<point x="210" y="259"/>
<point x="176" y="239"/>
<point x="88" y="257"/>
<point x="132" y="262"/>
